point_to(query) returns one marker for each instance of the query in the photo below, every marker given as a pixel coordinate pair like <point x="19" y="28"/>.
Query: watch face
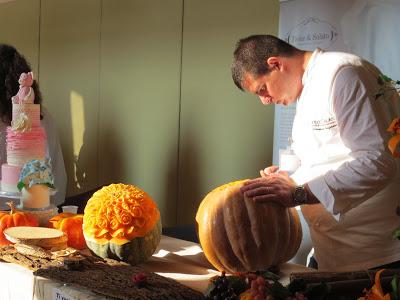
<point x="300" y="195"/>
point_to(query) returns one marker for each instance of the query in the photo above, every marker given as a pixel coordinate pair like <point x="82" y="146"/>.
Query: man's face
<point x="275" y="87"/>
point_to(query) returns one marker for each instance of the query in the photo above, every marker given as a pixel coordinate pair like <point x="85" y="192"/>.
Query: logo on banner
<point x="311" y="33"/>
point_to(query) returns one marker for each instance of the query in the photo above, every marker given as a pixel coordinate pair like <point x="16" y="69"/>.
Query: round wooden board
<point x="47" y="238"/>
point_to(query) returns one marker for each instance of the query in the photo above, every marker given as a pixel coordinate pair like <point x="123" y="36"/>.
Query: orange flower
<point x="126" y="218"/>
<point x="376" y="292"/>
<point x="136" y="212"/>
<point x="395" y="140"/>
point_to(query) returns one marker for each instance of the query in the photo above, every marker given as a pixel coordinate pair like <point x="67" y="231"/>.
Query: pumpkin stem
<point x="12" y="207"/>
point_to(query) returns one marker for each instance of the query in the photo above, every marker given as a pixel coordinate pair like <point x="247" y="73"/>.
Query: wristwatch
<point x="300" y="195"/>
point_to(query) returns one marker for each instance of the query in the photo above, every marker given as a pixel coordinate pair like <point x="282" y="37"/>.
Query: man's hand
<point x="268" y="171"/>
<point x="272" y="186"/>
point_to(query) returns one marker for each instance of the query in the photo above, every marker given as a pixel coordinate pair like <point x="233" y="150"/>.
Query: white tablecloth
<point x="177" y="259"/>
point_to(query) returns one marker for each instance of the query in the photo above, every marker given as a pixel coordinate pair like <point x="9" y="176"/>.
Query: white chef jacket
<point x="53" y="151"/>
<point x="339" y="134"/>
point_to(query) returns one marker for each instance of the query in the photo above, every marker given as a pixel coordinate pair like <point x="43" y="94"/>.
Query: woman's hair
<point x="251" y="54"/>
<point x="12" y="64"/>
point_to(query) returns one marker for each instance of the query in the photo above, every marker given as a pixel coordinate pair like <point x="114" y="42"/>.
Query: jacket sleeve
<point x="362" y="122"/>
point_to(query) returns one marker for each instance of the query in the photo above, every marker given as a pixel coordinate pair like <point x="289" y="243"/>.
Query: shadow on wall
<point x="81" y="154"/>
<point x="189" y="180"/>
<point x="82" y="172"/>
<point x="170" y="190"/>
<point x="111" y="166"/>
<point x="85" y="174"/>
<point x="189" y="191"/>
<point x="88" y="174"/>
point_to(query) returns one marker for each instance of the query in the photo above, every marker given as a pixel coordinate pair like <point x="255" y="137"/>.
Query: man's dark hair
<point x="12" y="64"/>
<point x="251" y="54"/>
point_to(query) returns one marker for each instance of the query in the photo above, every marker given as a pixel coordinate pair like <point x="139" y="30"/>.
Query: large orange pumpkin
<point x="71" y="225"/>
<point x="14" y="218"/>
<point x="239" y="235"/>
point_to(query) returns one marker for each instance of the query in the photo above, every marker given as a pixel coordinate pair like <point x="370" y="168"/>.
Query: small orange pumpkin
<point x="71" y="225"/>
<point x="14" y="218"/>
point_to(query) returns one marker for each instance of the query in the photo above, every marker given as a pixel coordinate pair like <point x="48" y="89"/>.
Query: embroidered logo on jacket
<point x="324" y="124"/>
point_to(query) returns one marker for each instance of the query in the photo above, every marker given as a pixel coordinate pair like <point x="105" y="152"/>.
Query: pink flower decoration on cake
<point x="26" y="79"/>
<point x="25" y="93"/>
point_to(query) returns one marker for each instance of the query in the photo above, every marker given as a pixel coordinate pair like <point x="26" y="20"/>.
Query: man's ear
<point x="274" y="62"/>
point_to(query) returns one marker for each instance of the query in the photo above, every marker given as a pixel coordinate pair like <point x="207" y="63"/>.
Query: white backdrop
<point x="363" y="27"/>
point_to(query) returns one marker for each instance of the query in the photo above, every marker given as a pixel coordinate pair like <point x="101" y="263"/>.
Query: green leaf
<point x="20" y="185"/>
<point x="395" y="293"/>
<point x="385" y="78"/>
<point x="396" y="233"/>
<point x="268" y="275"/>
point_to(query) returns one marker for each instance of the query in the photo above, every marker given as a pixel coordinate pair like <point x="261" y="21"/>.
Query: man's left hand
<point x="276" y="187"/>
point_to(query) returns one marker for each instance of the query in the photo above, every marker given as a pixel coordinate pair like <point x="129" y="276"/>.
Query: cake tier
<point x="9" y="178"/>
<point x="38" y="196"/>
<point x="32" y="111"/>
<point x="25" y="146"/>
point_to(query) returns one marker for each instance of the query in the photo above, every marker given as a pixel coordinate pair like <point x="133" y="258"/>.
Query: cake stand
<point x="42" y="214"/>
<point x="8" y="197"/>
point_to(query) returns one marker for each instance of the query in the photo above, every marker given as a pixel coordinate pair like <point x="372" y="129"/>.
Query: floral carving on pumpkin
<point x="120" y="213"/>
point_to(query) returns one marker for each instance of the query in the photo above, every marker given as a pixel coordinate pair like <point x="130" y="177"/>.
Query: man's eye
<point x="261" y="90"/>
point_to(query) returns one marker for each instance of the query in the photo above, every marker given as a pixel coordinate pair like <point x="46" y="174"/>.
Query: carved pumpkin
<point x="14" y="218"/>
<point x="71" y="225"/>
<point x="239" y="235"/>
<point x="122" y="222"/>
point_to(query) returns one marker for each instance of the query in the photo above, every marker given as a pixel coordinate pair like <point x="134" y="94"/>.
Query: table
<point x="181" y="260"/>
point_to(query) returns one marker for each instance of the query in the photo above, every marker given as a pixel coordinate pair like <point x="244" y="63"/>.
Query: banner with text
<point x="364" y="27"/>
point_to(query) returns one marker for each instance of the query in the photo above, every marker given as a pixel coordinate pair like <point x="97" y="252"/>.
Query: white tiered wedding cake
<point x="27" y="172"/>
